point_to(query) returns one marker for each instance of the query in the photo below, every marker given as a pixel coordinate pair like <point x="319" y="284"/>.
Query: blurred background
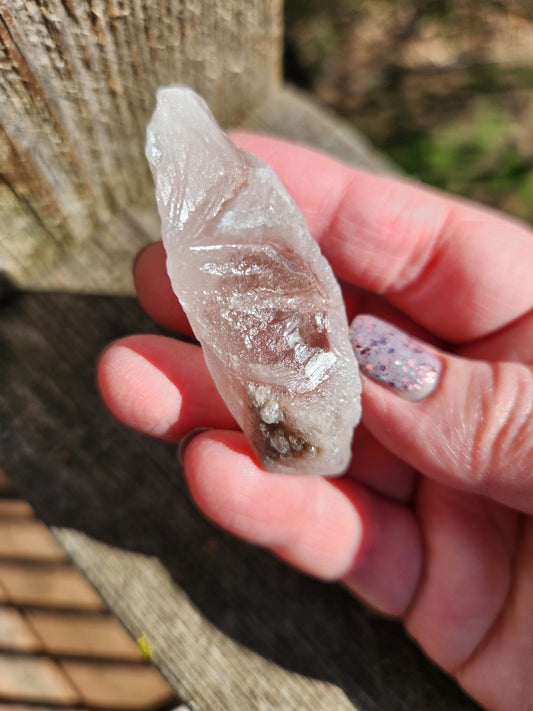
<point x="444" y="87"/>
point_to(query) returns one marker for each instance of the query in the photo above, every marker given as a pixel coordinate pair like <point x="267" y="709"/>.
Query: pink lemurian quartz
<point x="260" y="297"/>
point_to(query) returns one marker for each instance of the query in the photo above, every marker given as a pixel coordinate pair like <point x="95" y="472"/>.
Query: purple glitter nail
<point x="393" y="358"/>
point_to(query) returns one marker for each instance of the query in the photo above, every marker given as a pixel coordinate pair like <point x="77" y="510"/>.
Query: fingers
<point x="473" y="430"/>
<point x="388" y="236"/>
<point x="459" y="270"/>
<point x="498" y="675"/>
<point x="160" y="386"/>
<point x="514" y="343"/>
<point x="154" y="290"/>
<point x="378" y="469"/>
<point x="330" y="530"/>
<point x="157" y="298"/>
<point x="468" y="547"/>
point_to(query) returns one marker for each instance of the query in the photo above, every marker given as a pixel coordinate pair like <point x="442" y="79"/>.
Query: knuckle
<point x="501" y="452"/>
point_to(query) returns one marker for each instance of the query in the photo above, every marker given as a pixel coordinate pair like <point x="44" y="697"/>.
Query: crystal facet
<point x="260" y="297"/>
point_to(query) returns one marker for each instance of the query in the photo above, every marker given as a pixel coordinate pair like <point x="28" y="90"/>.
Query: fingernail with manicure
<point x="392" y="357"/>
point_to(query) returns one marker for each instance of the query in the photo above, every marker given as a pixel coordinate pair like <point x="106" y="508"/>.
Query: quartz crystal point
<point x="260" y="297"/>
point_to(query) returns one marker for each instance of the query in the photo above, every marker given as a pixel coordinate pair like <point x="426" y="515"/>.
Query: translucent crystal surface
<point x="259" y="295"/>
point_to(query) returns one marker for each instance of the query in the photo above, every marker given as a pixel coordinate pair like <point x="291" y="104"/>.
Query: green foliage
<point x="458" y="125"/>
<point x="474" y="155"/>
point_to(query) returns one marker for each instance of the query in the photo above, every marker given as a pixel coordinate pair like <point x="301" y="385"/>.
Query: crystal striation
<point x="260" y="297"/>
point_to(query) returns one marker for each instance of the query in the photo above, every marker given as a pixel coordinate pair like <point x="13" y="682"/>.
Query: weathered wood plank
<point x="206" y="666"/>
<point x="77" y="87"/>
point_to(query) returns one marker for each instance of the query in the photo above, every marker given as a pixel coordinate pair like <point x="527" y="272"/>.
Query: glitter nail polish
<point x="392" y="357"/>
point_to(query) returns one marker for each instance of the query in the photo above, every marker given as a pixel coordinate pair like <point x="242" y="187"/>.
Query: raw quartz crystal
<point x="260" y="297"/>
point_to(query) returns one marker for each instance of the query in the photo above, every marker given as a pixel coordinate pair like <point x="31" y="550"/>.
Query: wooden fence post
<point x="77" y="87"/>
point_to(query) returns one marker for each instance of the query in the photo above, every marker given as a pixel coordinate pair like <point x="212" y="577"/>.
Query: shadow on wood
<point x="81" y="469"/>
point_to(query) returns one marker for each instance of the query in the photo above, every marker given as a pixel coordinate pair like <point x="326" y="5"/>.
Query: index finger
<point x="460" y="270"/>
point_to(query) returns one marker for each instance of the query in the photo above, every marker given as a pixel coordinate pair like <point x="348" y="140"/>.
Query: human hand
<point x="433" y="520"/>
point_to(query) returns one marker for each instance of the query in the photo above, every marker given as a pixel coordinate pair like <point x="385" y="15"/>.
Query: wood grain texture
<point x="102" y="264"/>
<point x="77" y="87"/>
<point x="208" y="668"/>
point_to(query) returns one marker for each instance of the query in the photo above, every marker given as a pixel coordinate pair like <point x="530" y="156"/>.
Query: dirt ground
<point x="444" y="87"/>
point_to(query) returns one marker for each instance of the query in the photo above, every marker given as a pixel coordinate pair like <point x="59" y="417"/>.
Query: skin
<point x="433" y="521"/>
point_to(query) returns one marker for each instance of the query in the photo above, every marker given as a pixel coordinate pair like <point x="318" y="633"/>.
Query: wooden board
<point x="77" y="88"/>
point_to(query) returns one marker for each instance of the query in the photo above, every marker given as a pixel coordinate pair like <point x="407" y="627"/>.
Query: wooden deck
<point x="59" y="644"/>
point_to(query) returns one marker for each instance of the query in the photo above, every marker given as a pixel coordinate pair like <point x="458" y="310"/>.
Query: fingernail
<point x="185" y="442"/>
<point x="393" y="358"/>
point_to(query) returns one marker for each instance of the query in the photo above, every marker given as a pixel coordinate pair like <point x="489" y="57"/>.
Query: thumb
<point x="465" y="423"/>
